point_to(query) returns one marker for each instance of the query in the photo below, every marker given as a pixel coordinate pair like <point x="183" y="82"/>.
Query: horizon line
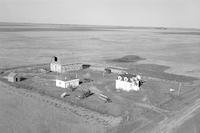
<point x="98" y="25"/>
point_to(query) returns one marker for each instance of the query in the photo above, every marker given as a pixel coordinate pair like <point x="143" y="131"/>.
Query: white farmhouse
<point x="128" y="82"/>
<point x="64" y="81"/>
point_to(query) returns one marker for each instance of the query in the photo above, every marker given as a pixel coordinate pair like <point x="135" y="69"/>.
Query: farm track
<point x="154" y="108"/>
<point x="166" y="126"/>
<point x="89" y="116"/>
<point x="172" y="119"/>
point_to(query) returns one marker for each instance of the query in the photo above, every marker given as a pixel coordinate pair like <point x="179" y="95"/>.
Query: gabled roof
<point x="12" y="74"/>
<point x="73" y="64"/>
<point x="65" y="77"/>
<point x="127" y="75"/>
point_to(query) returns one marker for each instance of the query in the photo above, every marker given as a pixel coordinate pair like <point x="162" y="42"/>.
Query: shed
<point x="85" y="66"/>
<point x="117" y="70"/>
<point x="13" y="77"/>
<point x="65" y="81"/>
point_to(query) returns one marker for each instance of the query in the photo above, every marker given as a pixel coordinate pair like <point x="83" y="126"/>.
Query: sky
<point x="157" y="13"/>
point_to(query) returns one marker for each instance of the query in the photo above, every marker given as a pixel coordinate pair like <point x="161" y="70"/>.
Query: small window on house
<point x="126" y="79"/>
<point x="54" y="58"/>
<point x="119" y="78"/>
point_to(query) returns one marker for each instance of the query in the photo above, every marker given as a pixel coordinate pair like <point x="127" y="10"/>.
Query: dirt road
<point x="168" y="125"/>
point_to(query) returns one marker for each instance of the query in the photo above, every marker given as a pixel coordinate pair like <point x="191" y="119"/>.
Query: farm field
<point x="163" y="57"/>
<point x="23" y="112"/>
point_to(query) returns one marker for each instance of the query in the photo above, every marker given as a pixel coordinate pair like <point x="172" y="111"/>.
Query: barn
<point x="65" y="81"/>
<point x="56" y="66"/>
<point x="13" y="77"/>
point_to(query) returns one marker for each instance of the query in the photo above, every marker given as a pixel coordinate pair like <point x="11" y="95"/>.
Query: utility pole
<point x="179" y="89"/>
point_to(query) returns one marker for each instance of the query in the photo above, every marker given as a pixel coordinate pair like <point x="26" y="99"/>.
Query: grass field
<point x="22" y="112"/>
<point x="166" y="55"/>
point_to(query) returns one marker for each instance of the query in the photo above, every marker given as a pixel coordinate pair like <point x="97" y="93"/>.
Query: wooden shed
<point x="13" y="77"/>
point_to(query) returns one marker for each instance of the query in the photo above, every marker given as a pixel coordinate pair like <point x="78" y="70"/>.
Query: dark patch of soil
<point x="128" y="59"/>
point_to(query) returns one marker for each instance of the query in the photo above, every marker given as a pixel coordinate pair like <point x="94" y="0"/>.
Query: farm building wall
<point x="11" y="79"/>
<point x="117" y="71"/>
<point x="66" y="84"/>
<point x="60" y="83"/>
<point x="71" y="67"/>
<point x="126" y="86"/>
<point x="73" y="83"/>
<point x="55" y="67"/>
<point x="14" y="78"/>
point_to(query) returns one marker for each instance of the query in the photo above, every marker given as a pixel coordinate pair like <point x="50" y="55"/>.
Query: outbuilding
<point x="128" y="82"/>
<point x="116" y="70"/>
<point x="65" y="81"/>
<point x="57" y="66"/>
<point x="13" y="77"/>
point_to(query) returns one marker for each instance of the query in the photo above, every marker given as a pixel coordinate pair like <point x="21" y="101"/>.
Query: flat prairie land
<point x="22" y="44"/>
<point x="23" y="112"/>
<point x="168" y="56"/>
